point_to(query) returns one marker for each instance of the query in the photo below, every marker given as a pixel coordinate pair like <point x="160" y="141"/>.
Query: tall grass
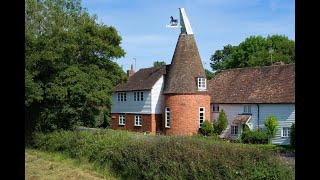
<point x="134" y="156"/>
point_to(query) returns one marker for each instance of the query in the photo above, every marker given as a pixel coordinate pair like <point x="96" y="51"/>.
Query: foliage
<point x="254" y="137"/>
<point x="137" y="156"/>
<point x="222" y="123"/>
<point x="209" y="74"/>
<point x="159" y="63"/>
<point x="69" y="72"/>
<point x="206" y="128"/>
<point x="293" y="136"/>
<point x="271" y="124"/>
<point x="254" y="51"/>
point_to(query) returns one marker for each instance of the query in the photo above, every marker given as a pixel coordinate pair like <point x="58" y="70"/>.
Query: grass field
<point x="45" y="165"/>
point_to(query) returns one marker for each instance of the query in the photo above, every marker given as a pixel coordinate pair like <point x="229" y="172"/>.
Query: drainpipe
<point x="258" y="115"/>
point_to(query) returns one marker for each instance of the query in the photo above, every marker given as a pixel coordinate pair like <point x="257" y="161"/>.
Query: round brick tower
<point x="186" y="101"/>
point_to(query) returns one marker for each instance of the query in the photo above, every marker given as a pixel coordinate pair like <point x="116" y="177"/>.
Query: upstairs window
<point x="247" y="109"/>
<point x="202" y="84"/>
<point x="201" y="116"/>
<point x="215" y="108"/>
<point x="122" y="96"/>
<point x="138" y="96"/>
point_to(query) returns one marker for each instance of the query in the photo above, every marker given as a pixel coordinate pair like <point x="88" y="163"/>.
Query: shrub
<point x="271" y="124"/>
<point x="206" y="128"/>
<point x="293" y="135"/>
<point x="254" y="137"/>
<point x="134" y="156"/>
<point x="222" y="123"/>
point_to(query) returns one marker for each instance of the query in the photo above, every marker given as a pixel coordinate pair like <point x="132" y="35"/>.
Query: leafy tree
<point x="293" y="135"/>
<point x="209" y="74"/>
<point x="222" y="123"/>
<point x="69" y="68"/>
<point x="271" y="124"/>
<point x="206" y="128"/>
<point x="254" y="51"/>
<point x="159" y="63"/>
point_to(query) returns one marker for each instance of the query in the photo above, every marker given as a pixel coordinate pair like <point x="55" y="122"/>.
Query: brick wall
<point x="150" y="122"/>
<point x="184" y="113"/>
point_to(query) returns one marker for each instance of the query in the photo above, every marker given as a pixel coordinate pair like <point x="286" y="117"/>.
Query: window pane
<point x="138" y="96"/>
<point x="141" y="96"/>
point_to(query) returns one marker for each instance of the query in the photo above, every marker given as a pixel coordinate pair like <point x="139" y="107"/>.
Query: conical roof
<point x="186" y="67"/>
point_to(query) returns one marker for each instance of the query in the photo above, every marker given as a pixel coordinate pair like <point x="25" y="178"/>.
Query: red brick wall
<point x="184" y="113"/>
<point x="150" y="122"/>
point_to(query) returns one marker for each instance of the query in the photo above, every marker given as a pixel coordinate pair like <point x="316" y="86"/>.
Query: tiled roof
<point x="143" y="79"/>
<point x="269" y="84"/>
<point x="185" y="68"/>
<point x="241" y="119"/>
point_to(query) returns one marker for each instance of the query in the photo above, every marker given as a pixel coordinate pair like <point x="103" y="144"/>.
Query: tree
<point x="254" y="51"/>
<point x="69" y="65"/>
<point x="159" y="63"/>
<point x="271" y="124"/>
<point x="209" y="74"/>
<point x="222" y="123"/>
<point x="206" y="128"/>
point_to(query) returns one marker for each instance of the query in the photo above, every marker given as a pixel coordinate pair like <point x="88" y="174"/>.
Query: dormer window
<point x="202" y="84"/>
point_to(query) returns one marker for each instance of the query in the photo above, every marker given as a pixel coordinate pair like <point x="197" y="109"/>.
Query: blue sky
<point x="215" y="23"/>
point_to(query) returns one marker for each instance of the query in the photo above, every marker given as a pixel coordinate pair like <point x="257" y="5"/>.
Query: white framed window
<point x="234" y="130"/>
<point x="201" y="116"/>
<point x="215" y="108"/>
<point x="202" y="84"/>
<point x="247" y="108"/>
<point x="122" y="96"/>
<point x="138" y="96"/>
<point x="285" y="132"/>
<point x="137" y="120"/>
<point x="167" y="117"/>
<point x="122" y="119"/>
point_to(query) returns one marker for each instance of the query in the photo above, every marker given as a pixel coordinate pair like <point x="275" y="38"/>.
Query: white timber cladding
<point x="157" y="97"/>
<point x="285" y="113"/>
<point x="131" y="106"/>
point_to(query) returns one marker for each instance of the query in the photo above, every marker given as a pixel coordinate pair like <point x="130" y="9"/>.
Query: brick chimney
<point x="130" y="72"/>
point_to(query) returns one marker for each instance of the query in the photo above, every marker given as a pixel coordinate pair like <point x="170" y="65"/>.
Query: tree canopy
<point x="254" y="51"/>
<point x="69" y="72"/>
<point x="159" y="63"/>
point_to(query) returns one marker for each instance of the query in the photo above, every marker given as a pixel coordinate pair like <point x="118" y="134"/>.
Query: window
<point x="201" y="116"/>
<point x="122" y="96"/>
<point x="138" y="96"/>
<point x="167" y="114"/>
<point x="285" y="132"/>
<point x="215" y="108"/>
<point x="201" y="83"/>
<point x="122" y="120"/>
<point x="137" y="120"/>
<point x="247" y="109"/>
<point x="234" y="130"/>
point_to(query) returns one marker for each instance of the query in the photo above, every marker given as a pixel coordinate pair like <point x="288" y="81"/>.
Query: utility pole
<point x="271" y="51"/>
<point x="135" y="64"/>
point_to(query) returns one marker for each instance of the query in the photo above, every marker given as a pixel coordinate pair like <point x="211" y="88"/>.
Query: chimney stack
<point x="130" y="72"/>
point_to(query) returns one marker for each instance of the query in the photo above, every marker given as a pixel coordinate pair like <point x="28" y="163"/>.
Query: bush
<point x="271" y="124"/>
<point x="254" y="137"/>
<point x="221" y="124"/>
<point x="135" y="156"/>
<point x="206" y="128"/>
<point x="293" y="135"/>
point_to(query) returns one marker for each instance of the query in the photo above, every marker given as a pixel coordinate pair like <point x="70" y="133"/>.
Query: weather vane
<point x="173" y="23"/>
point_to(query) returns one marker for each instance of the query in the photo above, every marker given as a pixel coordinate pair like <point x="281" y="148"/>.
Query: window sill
<point x="122" y="124"/>
<point x="167" y="127"/>
<point x="137" y="125"/>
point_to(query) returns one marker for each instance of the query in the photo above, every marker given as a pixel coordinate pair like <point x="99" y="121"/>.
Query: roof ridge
<point x="257" y="67"/>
